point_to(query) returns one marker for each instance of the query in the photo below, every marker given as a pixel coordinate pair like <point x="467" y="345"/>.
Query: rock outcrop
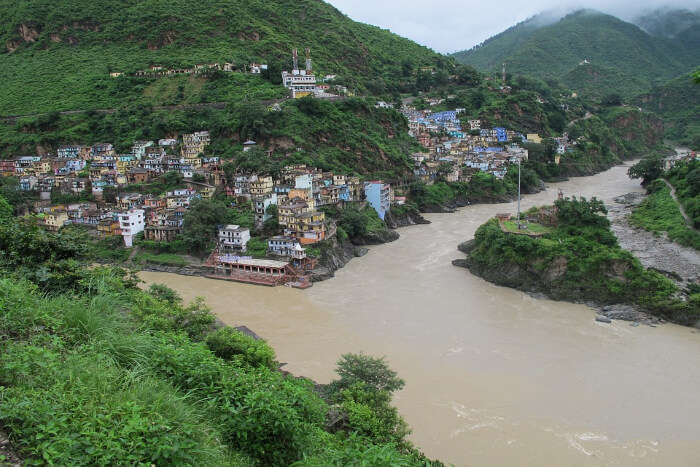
<point x="335" y="255"/>
<point x="404" y="219"/>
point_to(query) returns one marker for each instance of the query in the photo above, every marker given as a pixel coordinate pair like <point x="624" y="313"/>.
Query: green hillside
<point x="58" y="55"/>
<point x="667" y="22"/>
<point x="678" y="103"/>
<point x="621" y="57"/>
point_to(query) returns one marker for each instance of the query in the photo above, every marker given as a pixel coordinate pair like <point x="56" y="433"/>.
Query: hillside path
<point x="687" y="218"/>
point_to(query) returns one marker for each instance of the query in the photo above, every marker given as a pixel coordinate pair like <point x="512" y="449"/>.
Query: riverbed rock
<point x="437" y="208"/>
<point x="629" y="313"/>
<point x="603" y="319"/>
<point x="394" y="221"/>
<point x="377" y="238"/>
<point x="360" y="252"/>
<point x="467" y="247"/>
<point x="678" y="263"/>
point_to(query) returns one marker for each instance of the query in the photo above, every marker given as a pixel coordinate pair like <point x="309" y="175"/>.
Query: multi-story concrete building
<point x="286" y="246"/>
<point x="261" y="205"/>
<point x="131" y="223"/>
<point x="233" y="237"/>
<point x="54" y="220"/>
<point x="378" y="195"/>
<point x="300" y="83"/>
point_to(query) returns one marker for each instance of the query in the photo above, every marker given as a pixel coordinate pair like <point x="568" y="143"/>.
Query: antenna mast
<point x="308" y="60"/>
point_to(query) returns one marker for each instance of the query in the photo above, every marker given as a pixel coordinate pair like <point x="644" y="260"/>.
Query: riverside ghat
<point x="247" y="269"/>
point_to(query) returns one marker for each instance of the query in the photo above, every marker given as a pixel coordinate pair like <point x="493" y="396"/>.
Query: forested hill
<point x="590" y="52"/>
<point x="56" y="55"/>
<point x="669" y="23"/>
<point x="678" y="103"/>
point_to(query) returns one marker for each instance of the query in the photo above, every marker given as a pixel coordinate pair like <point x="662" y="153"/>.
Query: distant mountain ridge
<point x="667" y="22"/>
<point x="591" y="52"/>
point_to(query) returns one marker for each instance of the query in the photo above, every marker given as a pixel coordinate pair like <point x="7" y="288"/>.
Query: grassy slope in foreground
<point x="579" y="259"/>
<point x="95" y="371"/>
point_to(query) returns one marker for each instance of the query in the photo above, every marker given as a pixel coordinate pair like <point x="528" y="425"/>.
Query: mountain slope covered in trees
<point x="590" y="52"/>
<point x="678" y="103"/>
<point x="58" y="55"/>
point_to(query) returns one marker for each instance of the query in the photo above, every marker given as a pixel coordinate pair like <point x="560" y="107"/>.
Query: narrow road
<point x="216" y="105"/>
<point x="687" y="218"/>
<point x="585" y="117"/>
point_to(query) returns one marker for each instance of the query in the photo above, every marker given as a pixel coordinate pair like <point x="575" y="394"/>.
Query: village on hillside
<point x="99" y="188"/>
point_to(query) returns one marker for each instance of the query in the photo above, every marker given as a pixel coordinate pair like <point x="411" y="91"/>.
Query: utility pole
<point x="519" y="159"/>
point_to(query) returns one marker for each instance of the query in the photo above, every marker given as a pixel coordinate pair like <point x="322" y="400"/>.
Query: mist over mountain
<point x="593" y="52"/>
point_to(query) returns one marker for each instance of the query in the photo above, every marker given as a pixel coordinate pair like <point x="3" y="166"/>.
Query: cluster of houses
<point x="156" y="71"/>
<point x="457" y="149"/>
<point x="681" y="156"/>
<point x="297" y="194"/>
<point x="79" y="168"/>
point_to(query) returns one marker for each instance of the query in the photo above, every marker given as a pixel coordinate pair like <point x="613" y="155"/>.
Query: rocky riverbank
<point x="404" y="218"/>
<point x="189" y="270"/>
<point x="589" y="266"/>
<point x="336" y="254"/>
<point x="679" y="263"/>
<point x="538" y="285"/>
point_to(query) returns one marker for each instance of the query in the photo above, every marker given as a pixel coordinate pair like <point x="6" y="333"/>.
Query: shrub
<point x="230" y="344"/>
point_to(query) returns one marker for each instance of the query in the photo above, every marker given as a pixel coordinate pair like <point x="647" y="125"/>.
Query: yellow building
<point x="262" y="186"/>
<point x="534" y="138"/>
<point x="308" y="227"/>
<point x="54" y="220"/>
<point x="288" y="212"/>
<point x="108" y="227"/>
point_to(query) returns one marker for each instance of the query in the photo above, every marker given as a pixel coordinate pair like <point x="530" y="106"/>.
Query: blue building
<point x="378" y="196"/>
<point x="344" y="193"/>
<point x="501" y="134"/>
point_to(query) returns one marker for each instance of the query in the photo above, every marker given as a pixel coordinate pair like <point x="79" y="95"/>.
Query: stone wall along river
<point x="493" y="376"/>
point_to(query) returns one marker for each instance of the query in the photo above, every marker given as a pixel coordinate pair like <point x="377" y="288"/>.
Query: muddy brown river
<point x="493" y="376"/>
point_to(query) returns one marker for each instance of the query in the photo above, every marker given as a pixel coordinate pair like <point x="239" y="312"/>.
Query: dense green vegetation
<point x="579" y="259"/>
<point x="483" y="187"/>
<point x="57" y="56"/>
<point x="678" y="103"/>
<point x="670" y="23"/>
<point x="659" y="213"/>
<point x="94" y="370"/>
<point x="623" y="58"/>
<point x="686" y="180"/>
<point x="350" y="136"/>
<point x="603" y="140"/>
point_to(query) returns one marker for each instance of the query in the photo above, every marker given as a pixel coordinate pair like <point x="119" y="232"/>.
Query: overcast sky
<point x="452" y="25"/>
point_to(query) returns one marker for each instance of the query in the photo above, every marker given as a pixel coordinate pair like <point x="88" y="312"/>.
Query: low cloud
<point x="452" y="25"/>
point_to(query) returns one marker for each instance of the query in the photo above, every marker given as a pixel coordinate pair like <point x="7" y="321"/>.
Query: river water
<point x="493" y="376"/>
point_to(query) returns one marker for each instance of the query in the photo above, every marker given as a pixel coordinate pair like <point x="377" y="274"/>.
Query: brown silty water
<point x="493" y="376"/>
